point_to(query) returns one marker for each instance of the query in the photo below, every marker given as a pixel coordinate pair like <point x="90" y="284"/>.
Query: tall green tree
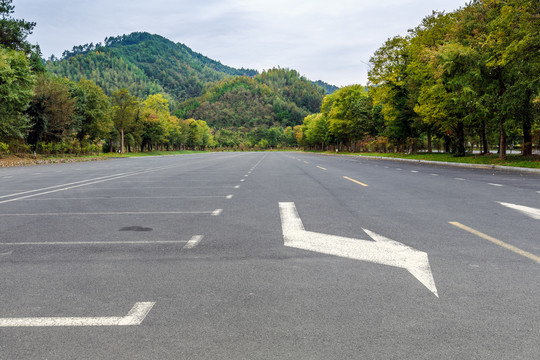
<point x="389" y="88"/>
<point x="51" y="111"/>
<point x="155" y="118"/>
<point x="426" y="92"/>
<point x="316" y="131"/>
<point x="513" y="45"/>
<point x="92" y="109"/>
<point x="16" y="84"/>
<point x="348" y="111"/>
<point x="14" y="33"/>
<point x="125" y="108"/>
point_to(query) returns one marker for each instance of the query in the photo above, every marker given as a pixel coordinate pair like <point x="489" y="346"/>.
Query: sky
<point x="329" y="40"/>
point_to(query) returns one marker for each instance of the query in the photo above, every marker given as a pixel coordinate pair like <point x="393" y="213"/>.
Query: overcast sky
<point x="329" y="40"/>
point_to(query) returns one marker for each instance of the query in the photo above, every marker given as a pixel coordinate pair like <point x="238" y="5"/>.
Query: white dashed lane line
<point x="195" y="240"/>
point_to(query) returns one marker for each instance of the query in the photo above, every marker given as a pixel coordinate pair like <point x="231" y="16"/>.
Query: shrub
<point x="4" y="149"/>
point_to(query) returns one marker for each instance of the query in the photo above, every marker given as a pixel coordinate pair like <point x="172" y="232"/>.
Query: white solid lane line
<point x="84" y="183"/>
<point x="56" y="243"/>
<point x="57" y="186"/>
<point x="130" y="197"/>
<point x="134" y="317"/>
<point x="117" y="213"/>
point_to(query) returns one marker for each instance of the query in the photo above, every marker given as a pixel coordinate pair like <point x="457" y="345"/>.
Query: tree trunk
<point x="502" y="143"/>
<point x="460" y="146"/>
<point x="122" y="137"/>
<point x="410" y="151"/>
<point x="485" y="145"/>
<point x="429" y="144"/>
<point x="527" y="135"/>
<point x="447" y="141"/>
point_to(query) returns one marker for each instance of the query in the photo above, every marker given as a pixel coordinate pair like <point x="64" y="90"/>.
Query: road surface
<point x="232" y="256"/>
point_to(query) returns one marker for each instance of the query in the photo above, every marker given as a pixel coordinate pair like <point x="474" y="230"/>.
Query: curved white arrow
<point x="381" y="251"/>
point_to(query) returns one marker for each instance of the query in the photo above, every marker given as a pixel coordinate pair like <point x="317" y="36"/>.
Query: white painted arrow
<point x="381" y="251"/>
<point x="529" y="211"/>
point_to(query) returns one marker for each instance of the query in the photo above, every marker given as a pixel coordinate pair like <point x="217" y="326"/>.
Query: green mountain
<point x="327" y="87"/>
<point x="196" y="86"/>
<point x="145" y="64"/>
<point x="276" y="97"/>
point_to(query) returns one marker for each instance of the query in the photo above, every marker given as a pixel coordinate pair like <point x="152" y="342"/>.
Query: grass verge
<point x="150" y="153"/>
<point x="491" y="159"/>
<point x="28" y="159"/>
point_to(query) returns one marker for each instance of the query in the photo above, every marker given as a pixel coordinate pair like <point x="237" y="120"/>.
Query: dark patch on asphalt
<point x="135" y="228"/>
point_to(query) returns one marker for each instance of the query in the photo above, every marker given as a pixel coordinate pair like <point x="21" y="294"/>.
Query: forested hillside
<point x="328" y="88"/>
<point x="276" y="97"/>
<point x="145" y="64"/>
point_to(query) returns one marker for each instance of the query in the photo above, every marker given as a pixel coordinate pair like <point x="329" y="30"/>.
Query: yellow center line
<point x="497" y="242"/>
<point x="355" y="181"/>
<point x="320" y="167"/>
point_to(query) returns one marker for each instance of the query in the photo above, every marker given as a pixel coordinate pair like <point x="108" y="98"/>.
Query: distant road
<point x="268" y="256"/>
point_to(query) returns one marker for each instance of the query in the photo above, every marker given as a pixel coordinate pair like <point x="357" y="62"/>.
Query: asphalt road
<point x="199" y="240"/>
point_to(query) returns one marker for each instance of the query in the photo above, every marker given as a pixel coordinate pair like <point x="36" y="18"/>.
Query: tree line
<point x="467" y="76"/>
<point x="45" y="113"/>
<point x="465" y="79"/>
<point x="470" y="77"/>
